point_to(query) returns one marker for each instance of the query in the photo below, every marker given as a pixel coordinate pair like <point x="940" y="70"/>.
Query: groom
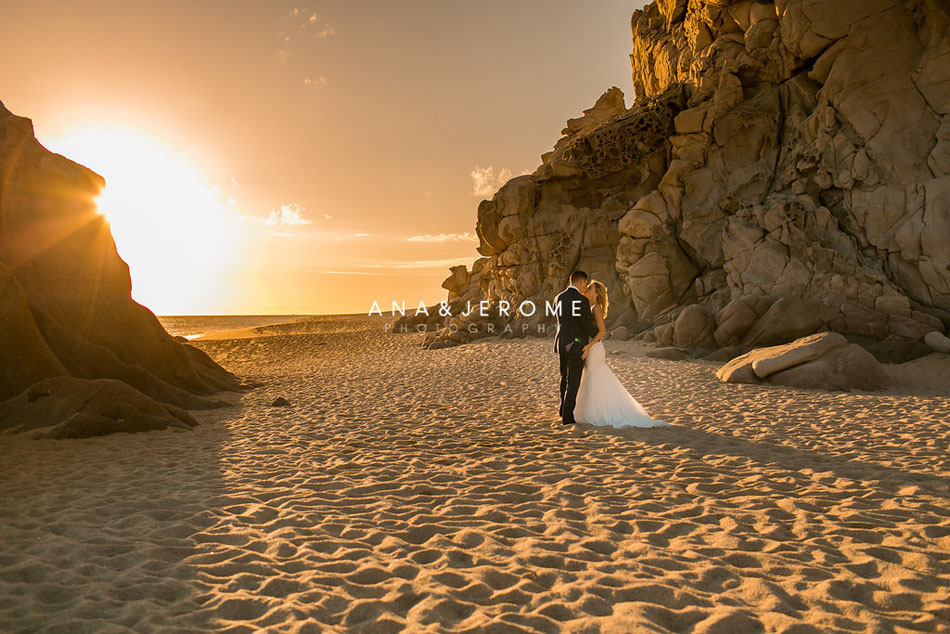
<point x="575" y="325"/>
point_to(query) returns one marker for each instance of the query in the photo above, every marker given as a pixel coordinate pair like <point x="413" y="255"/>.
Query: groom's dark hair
<point x="578" y="276"/>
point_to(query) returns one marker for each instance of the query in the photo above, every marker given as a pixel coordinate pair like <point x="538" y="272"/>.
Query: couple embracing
<point x="590" y="393"/>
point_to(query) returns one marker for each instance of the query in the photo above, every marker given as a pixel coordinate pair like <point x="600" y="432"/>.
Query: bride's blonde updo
<point x="601" y="291"/>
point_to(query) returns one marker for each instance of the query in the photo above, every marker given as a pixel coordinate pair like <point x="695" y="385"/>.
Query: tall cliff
<point x="77" y="354"/>
<point x="784" y="169"/>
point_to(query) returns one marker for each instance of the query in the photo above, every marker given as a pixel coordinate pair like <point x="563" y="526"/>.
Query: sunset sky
<point x="271" y="157"/>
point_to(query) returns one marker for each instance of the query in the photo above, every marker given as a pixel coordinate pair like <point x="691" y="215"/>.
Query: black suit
<point x="575" y="327"/>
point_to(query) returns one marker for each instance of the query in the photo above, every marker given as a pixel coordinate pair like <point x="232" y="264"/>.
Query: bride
<point x="601" y="398"/>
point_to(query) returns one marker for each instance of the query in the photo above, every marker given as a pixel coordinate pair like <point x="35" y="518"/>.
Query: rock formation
<point x="784" y="170"/>
<point x="65" y="300"/>
<point x="825" y="361"/>
<point x="937" y="342"/>
<point x="67" y="407"/>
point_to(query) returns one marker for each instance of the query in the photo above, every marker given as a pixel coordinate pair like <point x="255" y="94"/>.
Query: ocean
<point x="191" y="326"/>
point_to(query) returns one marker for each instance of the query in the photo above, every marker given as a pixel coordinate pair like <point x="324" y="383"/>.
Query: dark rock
<point x="442" y="343"/>
<point x="694" y="327"/>
<point x="66" y="305"/>
<point x="893" y="351"/>
<point x="620" y="333"/>
<point x="788" y="319"/>
<point x="734" y="320"/>
<point x="26" y="357"/>
<point x="723" y="355"/>
<point x="702" y="352"/>
<point x="938" y="342"/>
<point x="664" y="334"/>
<point x="280" y="401"/>
<point x="67" y="407"/>
<point x="668" y="353"/>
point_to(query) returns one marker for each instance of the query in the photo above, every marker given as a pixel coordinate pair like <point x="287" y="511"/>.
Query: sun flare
<point x="172" y="228"/>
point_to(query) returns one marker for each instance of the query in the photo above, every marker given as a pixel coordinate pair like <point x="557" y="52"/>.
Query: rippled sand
<point x="436" y="491"/>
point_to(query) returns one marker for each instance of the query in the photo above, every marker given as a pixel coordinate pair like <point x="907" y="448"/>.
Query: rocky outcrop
<point x="824" y="361"/>
<point x="67" y="407"/>
<point x="785" y="168"/>
<point x="65" y="295"/>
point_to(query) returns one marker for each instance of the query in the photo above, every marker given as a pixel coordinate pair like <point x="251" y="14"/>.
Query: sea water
<point x="191" y="326"/>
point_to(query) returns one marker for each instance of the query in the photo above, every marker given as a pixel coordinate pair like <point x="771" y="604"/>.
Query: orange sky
<point x="271" y="157"/>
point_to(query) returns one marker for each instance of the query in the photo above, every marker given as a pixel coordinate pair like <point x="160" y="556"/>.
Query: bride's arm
<point x="601" y="330"/>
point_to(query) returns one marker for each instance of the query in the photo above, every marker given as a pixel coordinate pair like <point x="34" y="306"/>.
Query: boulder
<point x="664" y="334"/>
<point x="702" y="352"/>
<point x="733" y="321"/>
<point x="668" y="353"/>
<point x="739" y="369"/>
<point x="723" y="355"/>
<point x="908" y="328"/>
<point x="848" y="368"/>
<point x="693" y="327"/>
<point x="824" y="361"/>
<point x="796" y="353"/>
<point x="787" y="319"/>
<point x="620" y="333"/>
<point x="443" y="343"/>
<point x="755" y="365"/>
<point x="937" y="342"/>
<point x="894" y="351"/>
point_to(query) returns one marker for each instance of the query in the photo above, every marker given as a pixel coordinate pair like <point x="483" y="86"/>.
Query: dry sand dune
<point x="434" y="491"/>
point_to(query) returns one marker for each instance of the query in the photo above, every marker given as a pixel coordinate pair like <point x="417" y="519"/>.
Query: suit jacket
<point x="575" y="322"/>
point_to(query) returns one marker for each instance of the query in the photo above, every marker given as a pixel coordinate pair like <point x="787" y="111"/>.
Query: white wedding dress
<point x="602" y="399"/>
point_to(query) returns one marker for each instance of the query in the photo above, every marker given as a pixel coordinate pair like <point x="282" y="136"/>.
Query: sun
<point x="178" y="236"/>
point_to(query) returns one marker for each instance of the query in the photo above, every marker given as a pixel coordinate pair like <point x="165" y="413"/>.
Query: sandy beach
<point x="435" y="491"/>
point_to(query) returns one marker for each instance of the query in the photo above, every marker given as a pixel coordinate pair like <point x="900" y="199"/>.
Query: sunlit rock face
<point x="66" y="307"/>
<point x="790" y="150"/>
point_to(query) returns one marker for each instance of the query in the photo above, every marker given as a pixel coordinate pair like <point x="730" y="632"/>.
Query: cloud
<point x="327" y="216"/>
<point x="307" y="25"/>
<point x="445" y="237"/>
<point x="288" y="215"/>
<point x="318" y="81"/>
<point x="354" y="236"/>
<point x="485" y="182"/>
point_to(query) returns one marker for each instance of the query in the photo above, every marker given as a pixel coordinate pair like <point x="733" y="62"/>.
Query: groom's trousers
<point x="572" y="367"/>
